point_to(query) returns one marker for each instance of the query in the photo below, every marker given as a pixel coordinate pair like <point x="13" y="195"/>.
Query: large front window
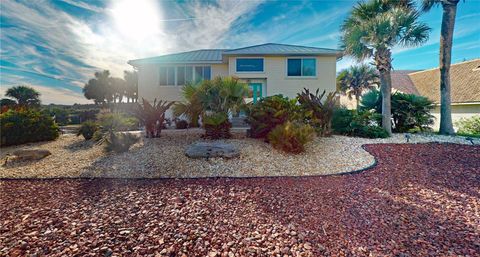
<point x="179" y="75"/>
<point x="249" y="64"/>
<point x="301" y="67"/>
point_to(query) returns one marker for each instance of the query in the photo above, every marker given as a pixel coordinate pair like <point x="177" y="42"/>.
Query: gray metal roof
<point x="282" y="49"/>
<point x="198" y="56"/>
<point x="215" y="55"/>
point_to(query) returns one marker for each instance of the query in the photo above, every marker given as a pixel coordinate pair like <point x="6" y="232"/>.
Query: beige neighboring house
<point x="465" y="83"/>
<point x="269" y="69"/>
<point x="465" y="88"/>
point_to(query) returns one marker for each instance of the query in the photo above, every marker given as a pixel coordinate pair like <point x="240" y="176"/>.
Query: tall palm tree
<point x="446" y="41"/>
<point x="356" y="79"/>
<point x="25" y="96"/>
<point x="373" y="29"/>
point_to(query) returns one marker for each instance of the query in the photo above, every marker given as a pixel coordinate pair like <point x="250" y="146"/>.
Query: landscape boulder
<point x="29" y="154"/>
<point x="212" y="150"/>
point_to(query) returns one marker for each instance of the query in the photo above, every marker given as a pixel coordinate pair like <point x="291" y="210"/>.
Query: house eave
<point x="136" y="64"/>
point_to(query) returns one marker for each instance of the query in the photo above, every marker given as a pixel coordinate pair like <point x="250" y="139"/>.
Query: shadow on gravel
<point x="80" y="145"/>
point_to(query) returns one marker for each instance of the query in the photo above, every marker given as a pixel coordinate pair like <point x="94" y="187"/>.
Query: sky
<point x="56" y="46"/>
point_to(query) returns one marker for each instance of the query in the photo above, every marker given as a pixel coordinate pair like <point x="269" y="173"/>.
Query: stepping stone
<point x="211" y="150"/>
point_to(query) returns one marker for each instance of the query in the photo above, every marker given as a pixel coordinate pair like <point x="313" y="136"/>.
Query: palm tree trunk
<point x="386" y="90"/>
<point x="383" y="61"/>
<point x="446" y="40"/>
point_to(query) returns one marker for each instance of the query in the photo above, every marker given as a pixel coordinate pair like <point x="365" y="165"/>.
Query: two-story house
<point x="268" y="69"/>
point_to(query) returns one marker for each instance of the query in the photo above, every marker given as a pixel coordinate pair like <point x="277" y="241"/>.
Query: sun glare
<point x="136" y="18"/>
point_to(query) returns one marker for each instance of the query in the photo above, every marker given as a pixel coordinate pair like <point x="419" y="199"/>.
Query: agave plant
<point x="317" y="112"/>
<point x="152" y="116"/>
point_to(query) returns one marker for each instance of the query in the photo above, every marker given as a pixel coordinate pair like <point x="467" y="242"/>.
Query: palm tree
<point x="192" y="105"/>
<point x="119" y="87"/>
<point x="25" y="96"/>
<point x="354" y="80"/>
<point x="131" y="78"/>
<point x="373" y="29"/>
<point x="446" y="41"/>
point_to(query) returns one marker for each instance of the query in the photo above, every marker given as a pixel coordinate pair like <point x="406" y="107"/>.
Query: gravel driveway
<point x="420" y="200"/>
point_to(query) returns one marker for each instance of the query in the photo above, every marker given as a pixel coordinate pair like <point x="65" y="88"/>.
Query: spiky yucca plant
<point x="316" y="111"/>
<point x="152" y="116"/>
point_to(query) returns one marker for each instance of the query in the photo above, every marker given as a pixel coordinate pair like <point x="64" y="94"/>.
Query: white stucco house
<point x="269" y="69"/>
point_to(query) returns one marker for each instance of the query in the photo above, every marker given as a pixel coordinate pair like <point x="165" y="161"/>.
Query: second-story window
<point x="301" y="67"/>
<point x="249" y="65"/>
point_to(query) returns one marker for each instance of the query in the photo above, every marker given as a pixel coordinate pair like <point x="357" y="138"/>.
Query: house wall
<point x="274" y="78"/>
<point x="277" y="82"/>
<point x="149" y="88"/>
<point x="458" y="112"/>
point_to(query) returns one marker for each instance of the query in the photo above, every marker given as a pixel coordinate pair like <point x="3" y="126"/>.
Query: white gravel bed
<point x="165" y="158"/>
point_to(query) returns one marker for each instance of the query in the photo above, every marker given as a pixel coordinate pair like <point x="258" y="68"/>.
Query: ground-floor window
<point x="180" y="75"/>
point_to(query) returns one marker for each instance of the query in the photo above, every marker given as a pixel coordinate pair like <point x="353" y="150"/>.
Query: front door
<point x="255" y="91"/>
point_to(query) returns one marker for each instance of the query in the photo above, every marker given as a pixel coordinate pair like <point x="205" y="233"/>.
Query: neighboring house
<point x="269" y="69"/>
<point x="465" y="91"/>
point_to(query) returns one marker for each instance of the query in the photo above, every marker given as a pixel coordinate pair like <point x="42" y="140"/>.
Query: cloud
<point x="76" y="48"/>
<point x="83" y="5"/>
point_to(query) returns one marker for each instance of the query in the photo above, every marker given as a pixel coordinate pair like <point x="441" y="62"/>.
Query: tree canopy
<point x="24" y="95"/>
<point x="106" y="89"/>
<point x="356" y="79"/>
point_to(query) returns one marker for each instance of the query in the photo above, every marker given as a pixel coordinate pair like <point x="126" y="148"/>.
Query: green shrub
<point x="371" y="131"/>
<point x="219" y="97"/>
<point x="269" y="112"/>
<point x="181" y="124"/>
<point x="291" y="137"/>
<point x="26" y="125"/>
<point x="409" y="112"/>
<point x="217" y="126"/>
<point x="87" y="129"/>
<point x="119" y="142"/>
<point x="470" y="126"/>
<point x="98" y="135"/>
<point x="316" y="112"/>
<point x="358" y="124"/>
<point x="116" y="121"/>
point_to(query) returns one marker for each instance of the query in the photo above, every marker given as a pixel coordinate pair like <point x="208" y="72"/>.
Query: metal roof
<point x="198" y="56"/>
<point x="215" y="55"/>
<point x="282" y="49"/>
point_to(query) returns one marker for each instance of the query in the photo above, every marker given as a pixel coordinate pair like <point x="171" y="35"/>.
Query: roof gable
<point x="402" y="82"/>
<point x="464" y="78"/>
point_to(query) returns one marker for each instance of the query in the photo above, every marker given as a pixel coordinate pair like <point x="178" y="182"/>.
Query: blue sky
<point x="56" y="46"/>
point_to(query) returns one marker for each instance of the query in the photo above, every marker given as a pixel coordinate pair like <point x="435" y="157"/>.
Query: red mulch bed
<point x="419" y="200"/>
